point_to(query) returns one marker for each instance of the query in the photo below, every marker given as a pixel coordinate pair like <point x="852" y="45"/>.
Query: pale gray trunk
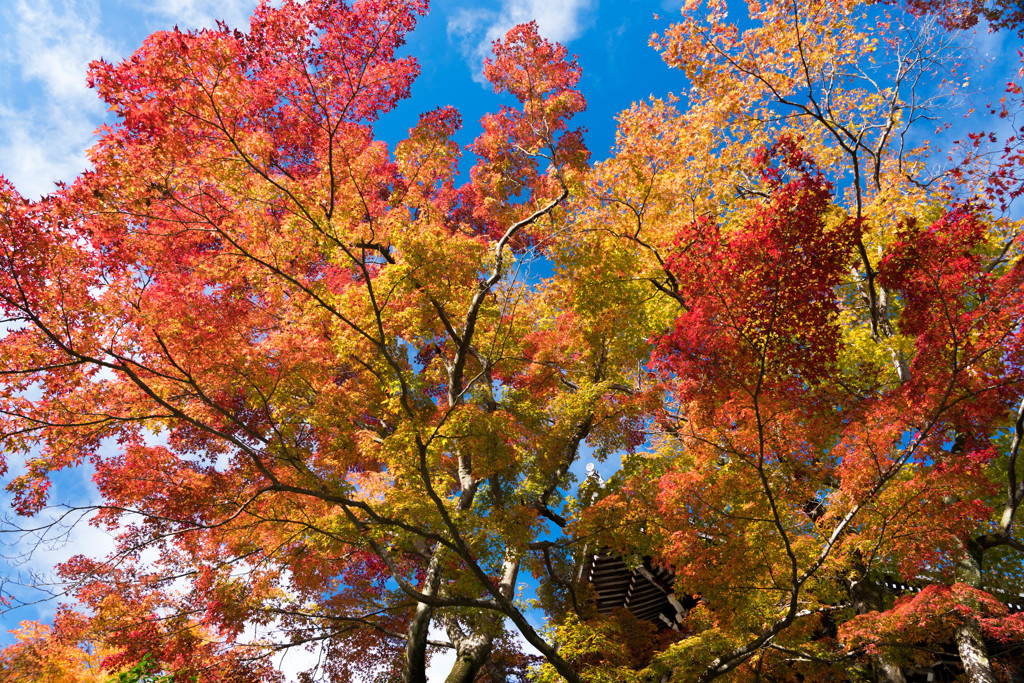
<point x="474" y="649"/>
<point x="973" y="653"/>
<point x="497" y="676"/>
<point x="899" y="360"/>
<point x="969" y="643"/>
<point x="414" y="670"/>
<point x="887" y="671"/>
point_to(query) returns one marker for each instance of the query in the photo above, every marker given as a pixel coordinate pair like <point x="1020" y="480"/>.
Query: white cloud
<point x="55" y="44"/>
<point x="475" y="29"/>
<point x="44" y="144"/>
<point x="191" y="14"/>
<point x="47" y="113"/>
<point x="48" y="46"/>
<point x="32" y="547"/>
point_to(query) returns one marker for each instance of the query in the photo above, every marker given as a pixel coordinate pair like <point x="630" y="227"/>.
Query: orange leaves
<point x="779" y="463"/>
<point x="368" y="408"/>
<point x="534" y="71"/>
<point x="767" y="59"/>
<point x="836" y="389"/>
<point x="429" y="156"/>
<point x="44" y="655"/>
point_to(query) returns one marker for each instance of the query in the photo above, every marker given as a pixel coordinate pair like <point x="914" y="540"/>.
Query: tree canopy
<point x="335" y="393"/>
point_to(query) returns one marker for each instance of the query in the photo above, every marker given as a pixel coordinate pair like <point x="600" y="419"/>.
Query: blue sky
<point x="48" y="115"/>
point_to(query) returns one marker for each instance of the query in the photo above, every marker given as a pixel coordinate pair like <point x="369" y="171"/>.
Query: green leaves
<point x="145" y="671"/>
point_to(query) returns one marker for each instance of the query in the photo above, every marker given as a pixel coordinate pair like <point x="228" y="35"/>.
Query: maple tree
<point x="37" y="656"/>
<point x="327" y="404"/>
<point x="842" y="368"/>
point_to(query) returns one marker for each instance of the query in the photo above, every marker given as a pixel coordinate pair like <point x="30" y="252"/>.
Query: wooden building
<point x="647" y="592"/>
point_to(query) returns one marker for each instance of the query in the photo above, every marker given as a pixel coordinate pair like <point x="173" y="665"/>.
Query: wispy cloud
<point x="32" y="547"/>
<point x="48" y="115"/>
<point x="47" y="48"/>
<point x="475" y="29"/>
<point x="54" y="45"/>
<point x="190" y="14"/>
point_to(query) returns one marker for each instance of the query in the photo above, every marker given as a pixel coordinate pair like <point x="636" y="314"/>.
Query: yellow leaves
<point x="605" y="649"/>
<point x="865" y="361"/>
<point x="38" y="655"/>
<point x="687" y="658"/>
<point x="480" y="435"/>
<point x="800" y="69"/>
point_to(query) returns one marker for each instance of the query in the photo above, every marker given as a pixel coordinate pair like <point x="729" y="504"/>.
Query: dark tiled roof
<point x="646" y="590"/>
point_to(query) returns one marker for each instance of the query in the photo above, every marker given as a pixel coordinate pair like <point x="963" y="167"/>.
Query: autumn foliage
<point x="328" y="406"/>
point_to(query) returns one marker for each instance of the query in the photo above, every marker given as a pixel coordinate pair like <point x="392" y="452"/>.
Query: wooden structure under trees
<point x="645" y="590"/>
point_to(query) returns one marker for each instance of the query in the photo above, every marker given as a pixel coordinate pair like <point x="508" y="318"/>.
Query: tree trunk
<point x="496" y="674"/>
<point x="415" y="668"/>
<point x="469" y="662"/>
<point x="973" y="653"/>
<point x="887" y="671"/>
<point x="474" y="648"/>
<point x="868" y="596"/>
<point x="969" y="643"/>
